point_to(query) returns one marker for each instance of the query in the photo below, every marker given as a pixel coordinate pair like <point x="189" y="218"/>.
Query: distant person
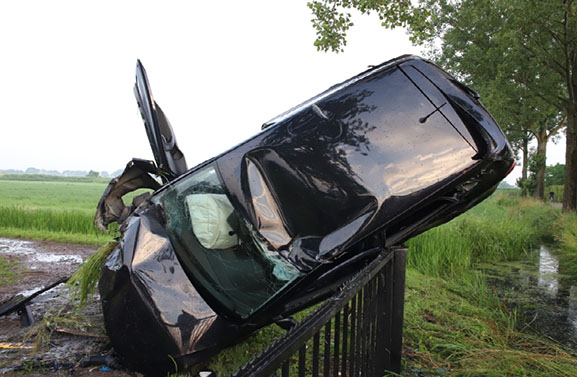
<point x="551" y="196"/>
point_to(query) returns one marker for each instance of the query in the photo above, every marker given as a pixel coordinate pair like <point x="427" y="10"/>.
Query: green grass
<point x="51" y="195"/>
<point x="51" y="178"/>
<point x="462" y="330"/>
<point x="566" y="235"/>
<point x="51" y="220"/>
<point x="7" y="271"/>
<point x="500" y="229"/>
<point x="52" y="211"/>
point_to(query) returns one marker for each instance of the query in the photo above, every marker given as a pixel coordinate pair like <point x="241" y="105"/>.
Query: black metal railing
<point x="357" y="332"/>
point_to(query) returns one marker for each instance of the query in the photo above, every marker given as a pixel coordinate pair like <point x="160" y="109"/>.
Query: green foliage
<point x="555" y="175"/>
<point x="85" y="280"/>
<point x="527" y="185"/>
<point x="536" y="161"/>
<point x="93" y="174"/>
<point x="40" y="235"/>
<point x="332" y="18"/>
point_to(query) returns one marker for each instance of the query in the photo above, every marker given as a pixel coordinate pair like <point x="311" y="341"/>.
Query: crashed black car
<point x="280" y="221"/>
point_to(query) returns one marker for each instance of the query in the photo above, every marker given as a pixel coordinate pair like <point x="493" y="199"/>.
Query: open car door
<point x="169" y="159"/>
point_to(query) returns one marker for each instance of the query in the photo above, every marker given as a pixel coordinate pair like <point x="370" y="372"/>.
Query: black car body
<point x="280" y="221"/>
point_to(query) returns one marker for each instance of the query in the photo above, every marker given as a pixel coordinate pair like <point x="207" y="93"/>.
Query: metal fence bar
<point x="399" y="267"/>
<point x="388" y="318"/>
<point x="327" y="349"/>
<point x="336" y="351"/>
<point x="345" y="352"/>
<point x="358" y="331"/>
<point x="302" y="361"/>
<point x="352" y="353"/>
<point x="316" y="353"/>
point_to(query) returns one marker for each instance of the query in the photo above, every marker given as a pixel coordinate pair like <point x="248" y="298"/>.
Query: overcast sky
<point x="218" y="69"/>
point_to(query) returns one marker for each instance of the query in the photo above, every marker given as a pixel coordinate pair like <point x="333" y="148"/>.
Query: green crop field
<point x="51" y="195"/>
<point x="51" y="210"/>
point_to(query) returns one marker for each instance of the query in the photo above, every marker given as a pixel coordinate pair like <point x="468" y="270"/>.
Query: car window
<point x="218" y="247"/>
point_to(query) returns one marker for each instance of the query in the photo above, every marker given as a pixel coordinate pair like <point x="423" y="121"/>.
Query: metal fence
<point x="357" y="332"/>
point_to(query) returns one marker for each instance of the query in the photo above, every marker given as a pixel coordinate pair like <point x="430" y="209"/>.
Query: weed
<point x="7" y="271"/>
<point x="84" y="281"/>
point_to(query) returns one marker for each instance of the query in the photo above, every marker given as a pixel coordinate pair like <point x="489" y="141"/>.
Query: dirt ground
<point x="61" y="339"/>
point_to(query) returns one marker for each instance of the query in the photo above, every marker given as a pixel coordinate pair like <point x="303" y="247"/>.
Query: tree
<point x="528" y="47"/>
<point x="478" y="45"/>
<point x="555" y="175"/>
<point x="93" y="174"/>
<point x="545" y="36"/>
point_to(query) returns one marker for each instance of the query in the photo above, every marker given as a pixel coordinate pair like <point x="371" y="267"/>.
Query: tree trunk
<point x="525" y="167"/>
<point x="541" y="156"/>
<point x="570" y="191"/>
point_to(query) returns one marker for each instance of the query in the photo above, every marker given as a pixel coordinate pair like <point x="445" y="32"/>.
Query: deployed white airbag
<point x="208" y="215"/>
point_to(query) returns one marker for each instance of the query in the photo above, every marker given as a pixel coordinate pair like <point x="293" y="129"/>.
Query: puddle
<point x="540" y="290"/>
<point x="34" y="259"/>
<point x="73" y="334"/>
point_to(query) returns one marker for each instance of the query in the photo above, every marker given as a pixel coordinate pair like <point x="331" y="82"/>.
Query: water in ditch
<point x="542" y="292"/>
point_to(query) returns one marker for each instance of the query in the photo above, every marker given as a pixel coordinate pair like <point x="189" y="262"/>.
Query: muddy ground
<point x="62" y="338"/>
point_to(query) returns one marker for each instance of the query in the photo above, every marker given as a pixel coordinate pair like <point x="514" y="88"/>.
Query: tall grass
<point x="52" y="211"/>
<point x="454" y="320"/>
<point x="502" y="228"/>
<point x="71" y="221"/>
<point x="73" y="226"/>
<point x="566" y="235"/>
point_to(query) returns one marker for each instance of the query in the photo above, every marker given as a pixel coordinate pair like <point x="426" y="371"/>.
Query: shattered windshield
<point x="218" y="247"/>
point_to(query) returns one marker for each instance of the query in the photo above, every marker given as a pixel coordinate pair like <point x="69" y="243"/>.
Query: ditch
<point x="541" y="292"/>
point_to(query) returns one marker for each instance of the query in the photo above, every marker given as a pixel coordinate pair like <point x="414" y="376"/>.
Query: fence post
<point x="399" y="266"/>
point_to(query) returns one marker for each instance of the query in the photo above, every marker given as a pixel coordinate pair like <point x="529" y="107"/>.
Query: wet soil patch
<point x="62" y="337"/>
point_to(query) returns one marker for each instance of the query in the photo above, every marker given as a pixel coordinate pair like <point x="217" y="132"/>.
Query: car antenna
<point x="424" y="119"/>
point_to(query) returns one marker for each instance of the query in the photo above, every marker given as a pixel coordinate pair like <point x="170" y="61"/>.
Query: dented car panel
<point x="280" y="221"/>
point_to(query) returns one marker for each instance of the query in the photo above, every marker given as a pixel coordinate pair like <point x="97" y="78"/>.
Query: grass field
<point x="59" y="196"/>
<point x="51" y="211"/>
